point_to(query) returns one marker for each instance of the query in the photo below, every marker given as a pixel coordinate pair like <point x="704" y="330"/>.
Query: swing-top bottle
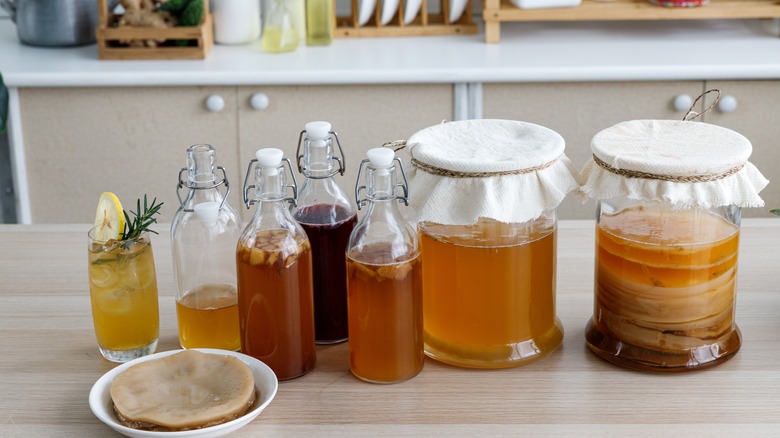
<point x="384" y="279"/>
<point x="328" y="216"/>
<point x="203" y="237"/>
<point x="275" y="302"/>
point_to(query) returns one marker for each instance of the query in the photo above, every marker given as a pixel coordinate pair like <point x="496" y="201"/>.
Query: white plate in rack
<point x="456" y="9"/>
<point x="389" y="8"/>
<point x="365" y="10"/>
<point x="411" y="10"/>
<point x="265" y="382"/>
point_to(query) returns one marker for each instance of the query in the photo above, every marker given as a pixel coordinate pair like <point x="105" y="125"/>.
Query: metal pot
<point x="54" y="23"/>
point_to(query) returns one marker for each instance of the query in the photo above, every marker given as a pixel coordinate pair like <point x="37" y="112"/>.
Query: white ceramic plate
<point x="456" y="9"/>
<point x="412" y="9"/>
<point x="389" y="8"/>
<point x="365" y="10"/>
<point x="265" y="382"/>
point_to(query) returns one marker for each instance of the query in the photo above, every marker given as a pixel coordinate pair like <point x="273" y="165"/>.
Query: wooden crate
<point x="424" y="24"/>
<point x="108" y="38"/>
<point x="497" y="11"/>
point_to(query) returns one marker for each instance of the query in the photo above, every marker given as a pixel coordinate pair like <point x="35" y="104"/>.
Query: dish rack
<point x="425" y="23"/>
<point x="109" y="37"/>
<point x="497" y="11"/>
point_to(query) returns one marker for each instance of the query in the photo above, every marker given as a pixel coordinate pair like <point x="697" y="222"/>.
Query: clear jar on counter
<point x="485" y="199"/>
<point x="669" y="196"/>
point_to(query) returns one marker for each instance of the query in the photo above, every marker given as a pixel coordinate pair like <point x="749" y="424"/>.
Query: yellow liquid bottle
<point x="280" y="34"/>
<point x="319" y="29"/>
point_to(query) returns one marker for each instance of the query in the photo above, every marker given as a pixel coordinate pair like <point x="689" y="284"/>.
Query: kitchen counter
<point x="50" y="361"/>
<point x="528" y="52"/>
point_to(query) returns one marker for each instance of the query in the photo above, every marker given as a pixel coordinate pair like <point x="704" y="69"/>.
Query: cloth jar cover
<point x="505" y="170"/>
<point x="687" y="164"/>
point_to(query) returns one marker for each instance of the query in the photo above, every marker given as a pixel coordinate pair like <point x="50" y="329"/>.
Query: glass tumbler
<point x="123" y="293"/>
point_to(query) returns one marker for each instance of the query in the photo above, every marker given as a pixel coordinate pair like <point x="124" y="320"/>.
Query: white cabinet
<point x="80" y="142"/>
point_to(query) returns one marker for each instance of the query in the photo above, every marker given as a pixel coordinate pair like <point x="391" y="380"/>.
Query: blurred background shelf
<point x="425" y="23"/>
<point x="498" y="11"/>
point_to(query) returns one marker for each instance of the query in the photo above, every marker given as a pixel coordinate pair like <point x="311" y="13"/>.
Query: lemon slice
<point x="109" y="219"/>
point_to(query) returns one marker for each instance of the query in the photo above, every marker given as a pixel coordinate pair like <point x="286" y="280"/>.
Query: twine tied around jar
<point x="670" y="178"/>
<point x="691" y="114"/>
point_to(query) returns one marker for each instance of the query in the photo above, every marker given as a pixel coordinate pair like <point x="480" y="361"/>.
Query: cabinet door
<point x="578" y="111"/>
<point x="364" y="116"/>
<point x="756" y="117"/>
<point x="80" y="142"/>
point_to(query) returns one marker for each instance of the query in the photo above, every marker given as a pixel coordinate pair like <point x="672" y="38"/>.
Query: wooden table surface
<point x="49" y="361"/>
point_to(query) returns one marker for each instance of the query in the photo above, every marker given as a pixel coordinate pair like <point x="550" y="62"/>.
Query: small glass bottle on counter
<point x="328" y="217"/>
<point x="384" y="280"/>
<point x="319" y="22"/>
<point x="485" y="200"/>
<point x="669" y="196"/>
<point x="203" y="240"/>
<point x="275" y="298"/>
<point x="279" y="32"/>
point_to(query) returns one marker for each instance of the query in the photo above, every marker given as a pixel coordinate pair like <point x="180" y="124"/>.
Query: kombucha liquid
<point x="489" y="293"/>
<point x="208" y="317"/>
<point x="666" y="298"/>
<point x="123" y="292"/>
<point x="275" y="302"/>
<point x="328" y="229"/>
<point x="385" y="315"/>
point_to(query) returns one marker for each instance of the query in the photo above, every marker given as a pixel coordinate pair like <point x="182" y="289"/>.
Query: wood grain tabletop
<point x="49" y="361"/>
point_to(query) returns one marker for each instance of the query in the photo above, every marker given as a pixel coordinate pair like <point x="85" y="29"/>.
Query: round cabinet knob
<point x="259" y="101"/>
<point x="215" y="103"/>
<point x="682" y="102"/>
<point x="727" y="104"/>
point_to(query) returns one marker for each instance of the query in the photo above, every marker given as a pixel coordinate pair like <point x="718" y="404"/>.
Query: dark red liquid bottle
<point x="328" y="228"/>
<point x="328" y="217"/>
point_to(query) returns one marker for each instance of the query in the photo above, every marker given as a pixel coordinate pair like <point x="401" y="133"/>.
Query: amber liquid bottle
<point x="203" y="241"/>
<point x="275" y="299"/>
<point x="384" y="283"/>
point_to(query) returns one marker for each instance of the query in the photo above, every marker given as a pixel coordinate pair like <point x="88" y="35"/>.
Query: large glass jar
<point x="485" y="198"/>
<point x="665" y="294"/>
<point x="670" y="195"/>
<point x="490" y="291"/>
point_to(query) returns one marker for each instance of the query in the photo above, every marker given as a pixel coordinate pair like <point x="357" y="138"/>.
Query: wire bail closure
<point x="342" y="161"/>
<point x="294" y="186"/>
<point x="182" y="184"/>
<point x="403" y="185"/>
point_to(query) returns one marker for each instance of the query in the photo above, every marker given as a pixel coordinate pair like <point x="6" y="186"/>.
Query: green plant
<point x="775" y="211"/>
<point x="141" y="220"/>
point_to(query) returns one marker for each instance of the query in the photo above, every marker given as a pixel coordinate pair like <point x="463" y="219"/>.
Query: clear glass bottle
<point x="275" y="297"/>
<point x="319" y="22"/>
<point x="328" y="217"/>
<point x="203" y="238"/>
<point x="279" y="33"/>
<point x="384" y="280"/>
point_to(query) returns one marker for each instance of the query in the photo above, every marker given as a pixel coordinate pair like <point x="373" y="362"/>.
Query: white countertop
<point x="528" y="52"/>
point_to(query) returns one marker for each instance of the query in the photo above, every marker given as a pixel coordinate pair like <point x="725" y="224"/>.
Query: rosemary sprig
<point x="141" y="219"/>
